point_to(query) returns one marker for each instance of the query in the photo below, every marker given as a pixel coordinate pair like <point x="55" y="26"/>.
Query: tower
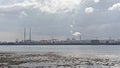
<point x="24" y="34"/>
<point x="30" y="35"/>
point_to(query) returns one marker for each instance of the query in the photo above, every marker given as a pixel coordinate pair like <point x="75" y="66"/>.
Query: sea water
<point x="75" y="50"/>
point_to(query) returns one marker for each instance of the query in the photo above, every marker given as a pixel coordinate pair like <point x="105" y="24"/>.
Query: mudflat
<point x="53" y="60"/>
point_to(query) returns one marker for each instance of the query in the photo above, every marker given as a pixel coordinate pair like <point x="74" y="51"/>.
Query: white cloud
<point x="56" y="6"/>
<point x="23" y="14"/>
<point x="115" y="7"/>
<point x="89" y="10"/>
<point x="96" y="1"/>
<point x="23" y="4"/>
<point x="76" y="33"/>
<point x="72" y="26"/>
<point x="49" y="6"/>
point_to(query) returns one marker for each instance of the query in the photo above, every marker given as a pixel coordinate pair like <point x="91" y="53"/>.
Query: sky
<point x="60" y="19"/>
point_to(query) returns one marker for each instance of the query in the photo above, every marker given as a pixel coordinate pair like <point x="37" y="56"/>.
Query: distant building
<point x="95" y="41"/>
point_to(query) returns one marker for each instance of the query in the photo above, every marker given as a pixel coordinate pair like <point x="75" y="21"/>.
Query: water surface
<point x="65" y="49"/>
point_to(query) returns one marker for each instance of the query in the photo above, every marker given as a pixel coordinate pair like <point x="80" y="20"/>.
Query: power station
<point x="27" y="40"/>
<point x="25" y="35"/>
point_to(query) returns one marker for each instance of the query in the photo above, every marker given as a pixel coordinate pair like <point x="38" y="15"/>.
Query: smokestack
<point x="30" y="35"/>
<point x="24" y="34"/>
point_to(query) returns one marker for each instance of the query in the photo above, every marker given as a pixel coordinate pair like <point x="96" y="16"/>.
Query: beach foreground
<point x="53" y="60"/>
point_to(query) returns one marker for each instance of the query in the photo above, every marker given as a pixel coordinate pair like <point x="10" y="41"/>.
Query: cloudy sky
<point x="59" y="18"/>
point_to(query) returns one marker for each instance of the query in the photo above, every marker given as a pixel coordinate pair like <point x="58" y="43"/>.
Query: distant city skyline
<point x="59" y="19"/>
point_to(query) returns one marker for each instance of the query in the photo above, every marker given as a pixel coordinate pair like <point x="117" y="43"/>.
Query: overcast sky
<point x="59" y="18"/>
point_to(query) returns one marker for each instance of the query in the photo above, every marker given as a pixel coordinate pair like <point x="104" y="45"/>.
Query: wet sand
<point x="53" y="60"/>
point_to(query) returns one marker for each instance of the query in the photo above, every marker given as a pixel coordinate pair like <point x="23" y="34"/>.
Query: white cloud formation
<point x="54" y="6"/>
<point x="23" y="4"/>
<point x="115" y="7"/>
<point x="89" y="10"/>
<point x="96" y="1"/>
<point x="49" y="6"/>
<point x="23" y="14"/>
<point x="71" y="26"/>
<point x="76" y="34"/>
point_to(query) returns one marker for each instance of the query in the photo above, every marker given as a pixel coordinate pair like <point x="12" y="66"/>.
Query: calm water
<point x="75" y="50"/>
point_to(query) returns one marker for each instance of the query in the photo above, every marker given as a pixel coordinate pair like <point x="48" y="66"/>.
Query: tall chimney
<point x="30" y="35"/>
<point x="24" y="34"/>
